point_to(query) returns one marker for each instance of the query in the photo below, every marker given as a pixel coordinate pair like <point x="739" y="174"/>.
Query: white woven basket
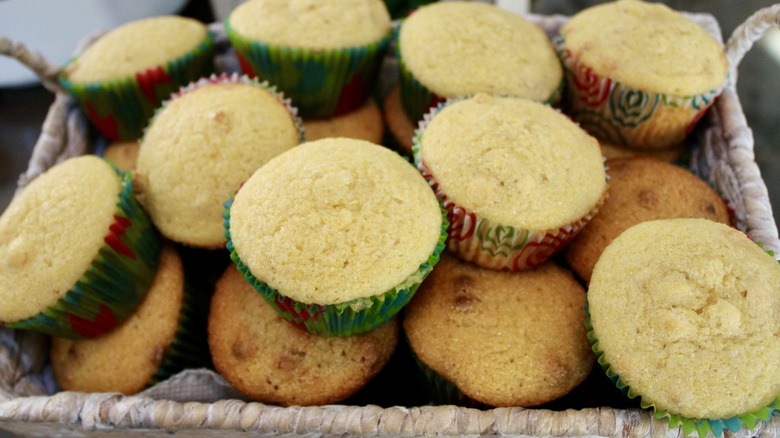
<point x="201" y="403"/>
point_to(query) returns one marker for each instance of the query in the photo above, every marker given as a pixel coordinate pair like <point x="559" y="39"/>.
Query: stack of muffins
<point x="331" y="247"/>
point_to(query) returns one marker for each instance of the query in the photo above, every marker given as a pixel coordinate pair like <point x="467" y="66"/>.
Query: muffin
<point x="336" y="234"/>
<point x="77" y="251"/>
<point x="325" y="56"/>
<point x="500" y="338"/>
<point x="517" y="178"/>
<point x="123" y="154"/>
<point x="647" y="88"/>
<point x="157" y="340"/>
<point x="201" y="145"/>
<point x="642" y="189"/>
<point x="685" y="314"/>
<point x="269" y="360"/>
<point x="398" y="123"/>
<point x="475" y="48"/>
<point x="126" y="74"/>
<point x="364" y="123"/>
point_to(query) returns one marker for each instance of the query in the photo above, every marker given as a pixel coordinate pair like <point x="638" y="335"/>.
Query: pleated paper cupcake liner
<point x="616" y="113"/>
<point x="494" y="245"/>
<point x="121" y="108"/>
<point x="688" y="425"/>
<point x="117" y="280"/>
<point x="320" y="83"/>
<point x="343" y="319"/>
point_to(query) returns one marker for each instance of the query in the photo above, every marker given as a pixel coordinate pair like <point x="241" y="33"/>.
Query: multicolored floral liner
<point x="235" y="78"/>
<point x="121" y="108"/>
<point x="119" y="277"/>
<point x="689" y="425"/>
<point x="320" y="83"/>
<point x="417" y="99"/>
<point x="487" y="243"/>
<point x="616" y="113"/>
<point x="343" y="319"/>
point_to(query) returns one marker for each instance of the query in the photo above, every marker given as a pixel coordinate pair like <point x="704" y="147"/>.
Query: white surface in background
<point x="53" y="28"/>
<point x="771" y="43"/>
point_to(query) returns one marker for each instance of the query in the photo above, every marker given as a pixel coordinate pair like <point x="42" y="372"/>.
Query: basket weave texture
<point x="202" y="403"/>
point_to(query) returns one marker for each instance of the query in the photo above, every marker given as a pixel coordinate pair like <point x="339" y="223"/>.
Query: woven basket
<point x="201" y="403"/>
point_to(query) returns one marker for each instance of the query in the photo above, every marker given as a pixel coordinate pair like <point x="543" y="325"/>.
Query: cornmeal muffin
<point x="127" y="73"/>
<point x="123" y="154"/>
<point x="685" y="313"/>
<point x="364" y="123"/>
<point x="518" y="179"/>
<point x="647" y="88"/>
<point x="336" y="234"/>
<point x="146" y="348"/>
<point x="501" y="338"/>
<point x="269" y="360"/>
<point x="476" y="49"/>
<point x="642" y="189"/>
<point x="76" y="250"/>
<point x="325" y="56"/>
<point x="398" y="123"/>
<point x="201" y="146"/>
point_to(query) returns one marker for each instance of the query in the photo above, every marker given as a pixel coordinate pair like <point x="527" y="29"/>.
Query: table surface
<point x="22" y="110"/>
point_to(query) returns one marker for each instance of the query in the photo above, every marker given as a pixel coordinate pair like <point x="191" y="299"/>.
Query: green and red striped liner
<point x="117" y="280"/>
<point x="121" y="108"/>
<point x="343" y="319"/>
<point x="320" y="82"/>
<point x="619" y="114"/>
<point x="483" y="241"/>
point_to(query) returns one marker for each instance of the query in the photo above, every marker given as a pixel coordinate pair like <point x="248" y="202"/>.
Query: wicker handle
<point x="46" y="72"/>
<point x="747" y="33"/>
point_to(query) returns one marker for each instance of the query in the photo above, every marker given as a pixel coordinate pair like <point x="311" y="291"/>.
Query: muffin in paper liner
<point x="320" y="82"/>
<point x="168" y="215"/>
<point x="164" y="335"/>
<point x="616" y="113"/>
<point x="121" y="108"/>
<point x="117" y="280"/>
<point x="688" y="425"/>
<point x="342" y="319"/>
<point x="490" y="244"/>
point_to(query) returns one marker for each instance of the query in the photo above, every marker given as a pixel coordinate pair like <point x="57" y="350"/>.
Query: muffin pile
<point x="524" y="217"/>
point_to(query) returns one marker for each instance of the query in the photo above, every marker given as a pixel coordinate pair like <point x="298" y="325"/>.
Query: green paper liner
<point x="616" y="113"/>
<point x="116" y="281"/>
<point x="320" y="82"/>
<point x="343" y="319"/>
<point x="417" y="100"/>
<point x="189" y="346"/>
<point x="688" y="425"/>
<point x="489" y="244"/>
<point x="121" y="108"/>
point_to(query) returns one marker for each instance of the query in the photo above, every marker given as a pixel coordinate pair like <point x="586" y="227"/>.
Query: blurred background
<point x="54" y="27"/>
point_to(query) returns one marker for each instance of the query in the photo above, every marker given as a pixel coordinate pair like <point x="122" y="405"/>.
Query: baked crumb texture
<point x="199" y="148"/>
<point x="686" y="314"/>
<point x="77" y="251"/>
<point x="269" y="360"/>
<point x="475" y="46"/>
<point x="344" y="228"/>
<point x="518" y="179"/>
<point x="501" y="338"/>
<point x="127" y="73"/>
<point x="648" y="88"/>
